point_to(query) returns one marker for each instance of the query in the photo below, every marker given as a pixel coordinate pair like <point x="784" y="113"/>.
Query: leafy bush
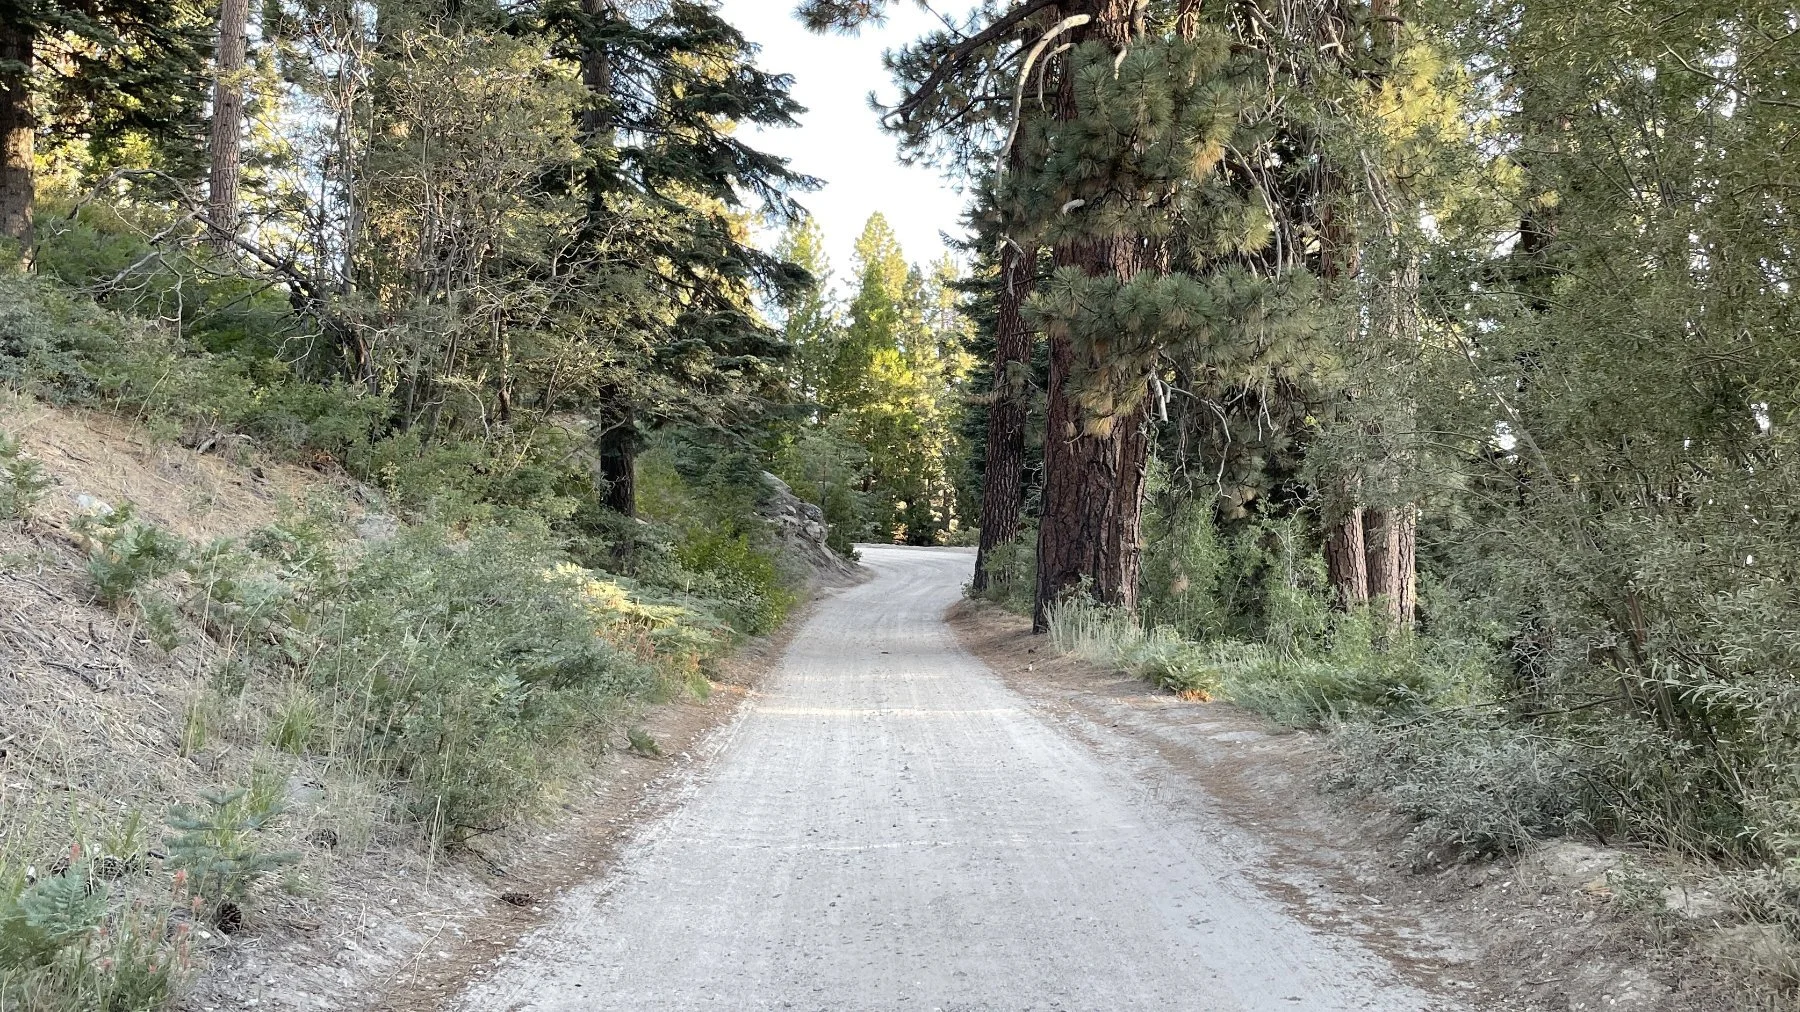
<point x="1473" y="785"/>
<point x="67" y="349"/>
<point x="1012" y="573"/>
<point x="125" y="555"/>
<point x="464" y="670"/>
<point x="755" y="596"/>
<point x="704" y="502"/>
<point x="66" y="947"/>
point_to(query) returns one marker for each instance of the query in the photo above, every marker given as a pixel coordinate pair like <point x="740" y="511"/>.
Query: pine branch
<point x="959" y="55"/>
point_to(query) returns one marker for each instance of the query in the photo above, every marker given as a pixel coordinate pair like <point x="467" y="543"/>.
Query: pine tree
<point x="100" y="69"/>
<point x="225" y="166"/>
<point x="1139" y="124"/>
<point x="960" y="110"/>
<point x="668" y="82"/>
<point x="893" y="381"/>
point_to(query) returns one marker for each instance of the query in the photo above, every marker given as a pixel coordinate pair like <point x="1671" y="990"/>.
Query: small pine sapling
<point x="219" y="848"/>
<point x="22" y="480"/>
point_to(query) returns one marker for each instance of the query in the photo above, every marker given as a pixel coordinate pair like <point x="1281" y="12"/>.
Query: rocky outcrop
<point x="799" y="528"/>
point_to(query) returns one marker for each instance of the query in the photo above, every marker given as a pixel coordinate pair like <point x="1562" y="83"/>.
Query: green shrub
<point x="65" y="946"/>
<point x="22" y="480"/>
<point x="703" y="504"/>
<point x="1012" y="573"/>
<point x="125" y="555"/>
<point x="1473" y="785"/>
<point x="754" y="594"/>
<point x="1112" y="637"/>
<point x="465" y="669"/>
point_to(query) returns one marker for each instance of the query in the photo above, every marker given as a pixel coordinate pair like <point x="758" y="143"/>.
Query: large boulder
<point x="799" y="527"/>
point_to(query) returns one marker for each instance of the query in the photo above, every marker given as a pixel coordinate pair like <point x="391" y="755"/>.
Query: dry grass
<point x="97" y="724"/>
<point x="196" y="495"/>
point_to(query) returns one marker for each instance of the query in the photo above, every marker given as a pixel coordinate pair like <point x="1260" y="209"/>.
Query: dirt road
<point x="888" y="826"/>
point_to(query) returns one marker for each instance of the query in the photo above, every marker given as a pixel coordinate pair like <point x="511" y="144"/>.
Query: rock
<point x="800" y="527"/>
<point x="88" y="505"/>
<point x="1694" y="903"/>
<point x="1570" y="865"/>
<point x="376" y="527"/>
<point x="302" y="791"/>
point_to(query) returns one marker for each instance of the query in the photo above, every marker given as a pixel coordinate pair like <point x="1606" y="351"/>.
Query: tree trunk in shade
<point x="17" y="133"/>
<point x="1381" y="541"/>
<point x="1003" y="483"/>
<point x="1346" y="562"/>
<point x="618" y="458"/>
<point x="225" y="141"/>
<point x="1093" y="476"/>
<point x="1392" y="539"/>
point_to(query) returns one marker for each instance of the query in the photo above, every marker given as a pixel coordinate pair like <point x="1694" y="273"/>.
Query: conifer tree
<point x="224" y="158"/>
<point x="960" y="110"/>
<point x="892" y="379"/>
<point x="668" y="83"/>
<point x="98" y="69"/>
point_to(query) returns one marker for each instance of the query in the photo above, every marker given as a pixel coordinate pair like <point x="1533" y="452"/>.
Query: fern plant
<point x="125" y="554"/>
<point x="48" y="916"/>
<point x="65" y="946"/>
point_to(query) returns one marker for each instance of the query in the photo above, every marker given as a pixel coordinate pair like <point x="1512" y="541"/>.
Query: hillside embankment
<point x="241" y="704"/>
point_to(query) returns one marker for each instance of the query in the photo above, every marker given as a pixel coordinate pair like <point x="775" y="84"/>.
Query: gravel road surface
<point x="888" y="826"/>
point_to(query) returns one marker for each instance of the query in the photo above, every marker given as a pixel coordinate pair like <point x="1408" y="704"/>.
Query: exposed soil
<point x="1545" y="931"/>
<point x="92" y="719"/>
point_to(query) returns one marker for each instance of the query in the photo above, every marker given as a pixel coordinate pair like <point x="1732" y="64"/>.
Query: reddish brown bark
<point x="1093" y="476"/>
<point x="1346" y="562"/>
<point x="224" y="142"/>
<point x="1392" y="538"/>
<point x="17" y="132"/>
<point x="1003" y="482"/>
<point x="1381" y="538"/>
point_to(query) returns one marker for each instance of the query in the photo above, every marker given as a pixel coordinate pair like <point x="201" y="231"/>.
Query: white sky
<point x="840" y="140"/>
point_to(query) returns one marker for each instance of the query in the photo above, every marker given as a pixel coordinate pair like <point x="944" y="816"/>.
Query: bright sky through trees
<point x="840" y="140"/>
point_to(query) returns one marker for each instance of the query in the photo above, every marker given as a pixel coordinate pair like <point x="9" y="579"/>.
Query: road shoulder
<point x="1520" y="934"/>
<point x="412" y="939"/>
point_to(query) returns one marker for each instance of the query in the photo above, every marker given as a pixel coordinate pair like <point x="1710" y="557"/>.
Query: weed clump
<point x="68" y="944"/>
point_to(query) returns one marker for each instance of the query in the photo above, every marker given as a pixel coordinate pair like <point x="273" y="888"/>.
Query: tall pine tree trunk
<point x="618" y="456"/>
<point x="1093" y="476"/>
<point x="223" y="146"/>
<point x="1346" y="560"/>
<point x="1393" y="531"/>
<point x="17" y="132"/>
<point x="1381" y="534"/>
<point x="1003" y="482"/>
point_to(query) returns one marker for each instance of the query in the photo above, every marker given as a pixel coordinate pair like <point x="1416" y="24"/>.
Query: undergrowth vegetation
<point x="451" y="644"/>
<point x="1429" y="720"/>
